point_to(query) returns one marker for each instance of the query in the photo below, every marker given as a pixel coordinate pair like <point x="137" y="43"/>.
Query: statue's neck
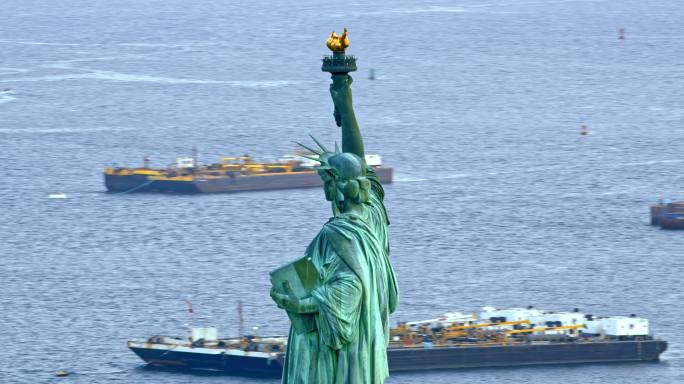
<point x="350" y="208"/>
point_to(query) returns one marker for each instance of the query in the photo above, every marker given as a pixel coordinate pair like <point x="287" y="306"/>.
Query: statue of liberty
<point x="340" y="326"/>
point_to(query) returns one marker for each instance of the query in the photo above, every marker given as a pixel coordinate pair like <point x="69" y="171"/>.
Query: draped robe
<point x="356" y="294"/>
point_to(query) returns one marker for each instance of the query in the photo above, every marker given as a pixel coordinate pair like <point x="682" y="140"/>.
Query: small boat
<point x="247" y="355"/>
<point x="668" y="215"/>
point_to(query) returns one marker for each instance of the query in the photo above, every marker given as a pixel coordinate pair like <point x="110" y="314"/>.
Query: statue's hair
<point x="356" y="189"/>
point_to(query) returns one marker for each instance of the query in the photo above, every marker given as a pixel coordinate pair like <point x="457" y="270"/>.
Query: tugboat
<point x="495" y="338"/>
<point x="668" y="215"/>
<point x="248" y="355"/>
<point x="232" y="174"/>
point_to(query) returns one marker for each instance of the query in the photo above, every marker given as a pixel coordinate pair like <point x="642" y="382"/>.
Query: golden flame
<point x="338" y="43"/>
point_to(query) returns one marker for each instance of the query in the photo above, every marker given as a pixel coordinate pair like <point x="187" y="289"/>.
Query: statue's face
<point x="333" y="192"/>
<point x="328" y="185"/>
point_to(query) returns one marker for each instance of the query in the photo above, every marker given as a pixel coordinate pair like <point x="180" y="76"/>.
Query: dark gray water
<point x="498" y="200"/>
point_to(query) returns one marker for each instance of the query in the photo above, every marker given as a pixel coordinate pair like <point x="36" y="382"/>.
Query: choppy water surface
<point x="498" y="199"/>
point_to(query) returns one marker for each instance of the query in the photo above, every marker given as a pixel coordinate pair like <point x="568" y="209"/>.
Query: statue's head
<point x="344" y="178"/>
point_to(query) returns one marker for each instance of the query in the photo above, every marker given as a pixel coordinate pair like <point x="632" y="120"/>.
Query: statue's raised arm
<point x="339" y="65"/>
<point x="341" y="93"/>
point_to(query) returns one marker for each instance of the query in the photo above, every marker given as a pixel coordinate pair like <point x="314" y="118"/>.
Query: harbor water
<point x="498" y="199"/>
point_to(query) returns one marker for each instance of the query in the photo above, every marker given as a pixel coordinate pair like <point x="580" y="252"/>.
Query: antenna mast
<point x="241" y="319"/>
<point x="194" y="157"/>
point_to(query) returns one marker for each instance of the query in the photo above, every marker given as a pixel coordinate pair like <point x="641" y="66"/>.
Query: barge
<point x="495" y="338"/>
<point x="232" y="174"/>
<point x="668" y="215"/>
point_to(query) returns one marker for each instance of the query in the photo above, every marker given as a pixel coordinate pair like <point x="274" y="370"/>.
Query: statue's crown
<point x="344" y="166"/>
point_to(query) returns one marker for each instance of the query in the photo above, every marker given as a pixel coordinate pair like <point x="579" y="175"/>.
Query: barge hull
<point x="676" y="223"/>
<point x="140" y="183"/>
<point x="410" y="359"/>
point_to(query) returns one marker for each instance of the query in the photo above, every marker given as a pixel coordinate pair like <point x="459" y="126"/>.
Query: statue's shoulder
<point x="337" y="226"/>
<point x="338" y="234"/>
<point x="333" y="238"/>
<point x="376" y="185"/>
<point x="339" y="231"/>
<point x="377" y="197"/>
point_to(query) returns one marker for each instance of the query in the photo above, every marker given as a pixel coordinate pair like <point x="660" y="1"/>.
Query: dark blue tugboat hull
<point x="239" y="365"/>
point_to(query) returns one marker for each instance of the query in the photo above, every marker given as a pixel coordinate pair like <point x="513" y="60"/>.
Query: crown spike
<point x="319" y="144"/>
<point x="308" y="149"/>
<point x="337" y="148"/>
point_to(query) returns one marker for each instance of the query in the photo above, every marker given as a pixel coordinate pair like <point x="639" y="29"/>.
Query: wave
<point x="66" y="130"/>
<point x="94" y="74"/>
<point x="153" y="45"/>
<point x="11" y="71"/>
<point x="29" y="42"/>
<point x="385" y="12"/>
<point x="6" y="97"/>
<point x="651" y="162"/>
<point x="541" y="169"/>
<point x="66" y="64"/>
<point x="408" y="179"/>
<point x="432" y="9"/>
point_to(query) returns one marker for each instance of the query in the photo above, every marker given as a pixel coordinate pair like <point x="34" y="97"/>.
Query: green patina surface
<point x="355" y="289"/>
